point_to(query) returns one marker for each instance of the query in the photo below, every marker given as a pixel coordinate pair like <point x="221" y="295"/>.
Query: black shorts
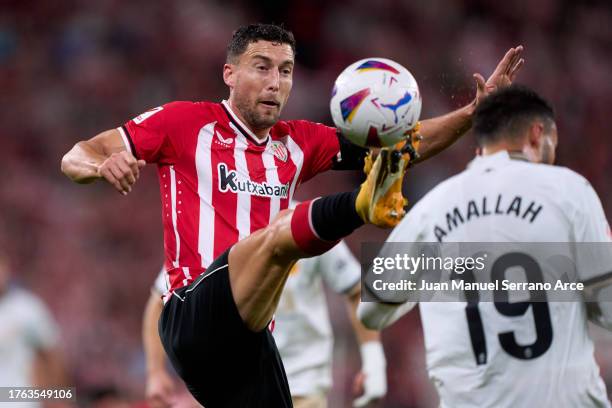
<point x="223" y="363"/>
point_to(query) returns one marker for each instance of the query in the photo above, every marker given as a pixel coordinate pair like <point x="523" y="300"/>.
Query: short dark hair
<point x="251" y="33"/>
<point x="506" y="113"/>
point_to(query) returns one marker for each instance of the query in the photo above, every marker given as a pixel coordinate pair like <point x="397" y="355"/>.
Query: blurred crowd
<point x="70" y="69"/>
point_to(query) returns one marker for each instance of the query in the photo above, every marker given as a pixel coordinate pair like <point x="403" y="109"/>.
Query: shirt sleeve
<point x="42" y="331"/>
<point x="405" y="238"/>
<point x="161" y="283"/>
<point x="591" y="224"/>
<point x="592" y="236"/>
<point x="157" y="135"/>
<point x="339" y="268"/>
<point x="320" y="145"/>
<point x="350" y="156"/>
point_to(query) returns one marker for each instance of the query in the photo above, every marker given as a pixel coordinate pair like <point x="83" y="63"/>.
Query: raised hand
<point x="504" y="73"/>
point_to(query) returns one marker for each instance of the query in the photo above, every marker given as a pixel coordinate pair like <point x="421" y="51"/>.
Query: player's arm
<point x="103" y="156"/>
<point x="377" y="316"/>
<point x="43" y="337"/>
<point x="383" y="309"/>
<point x="159" y="384"/>
<point x="600" y="313"/>
<point x="593" y="249"/>
<point x="598" y="293"/>
<point x="593" y="253"/>
<point x="48" y="369"/>
<point x="371" y="382"/>
<point x="440" y="132"/>
<point x="389" y="307"/>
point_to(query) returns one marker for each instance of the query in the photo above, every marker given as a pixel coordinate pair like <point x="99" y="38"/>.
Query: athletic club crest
<point x="279" y="150"/>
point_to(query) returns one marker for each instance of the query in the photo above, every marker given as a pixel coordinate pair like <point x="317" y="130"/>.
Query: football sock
<point x="317" y="225"/>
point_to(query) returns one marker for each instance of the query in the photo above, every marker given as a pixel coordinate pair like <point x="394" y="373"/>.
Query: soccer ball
<point x="375" y="101"/>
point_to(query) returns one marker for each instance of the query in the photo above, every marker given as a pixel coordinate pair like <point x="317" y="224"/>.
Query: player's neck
<point x="261" y="134"/>
<point x="514" y="152"/>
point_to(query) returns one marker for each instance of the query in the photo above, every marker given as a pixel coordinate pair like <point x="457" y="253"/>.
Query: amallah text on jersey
<point x="483" y="207"/>
<point x="230" y="180"/>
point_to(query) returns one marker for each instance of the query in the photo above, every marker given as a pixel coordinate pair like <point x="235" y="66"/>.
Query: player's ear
<point x="535" y="135"/>
<point x="229" y="74"/>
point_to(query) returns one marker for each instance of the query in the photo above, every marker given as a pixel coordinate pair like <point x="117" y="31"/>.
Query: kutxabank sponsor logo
<point x="231" y="180"/>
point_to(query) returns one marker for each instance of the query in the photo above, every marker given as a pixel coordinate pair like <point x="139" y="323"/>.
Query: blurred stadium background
<point x="70" y="69"/>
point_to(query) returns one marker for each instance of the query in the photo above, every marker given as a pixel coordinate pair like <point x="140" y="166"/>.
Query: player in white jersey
<point x="304" y="336"/>
<point x="541" y="356"/>
<point x="302" y="332"/>
<point x="28" y="340"/>
<point x="162" y="390"/>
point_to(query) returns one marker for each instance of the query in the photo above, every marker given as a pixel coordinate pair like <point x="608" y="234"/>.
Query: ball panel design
<point x="375" y="101"/>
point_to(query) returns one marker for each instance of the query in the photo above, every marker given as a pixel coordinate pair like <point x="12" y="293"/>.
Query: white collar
<point x="242" y="127"/>
<point x="494" y="159"/>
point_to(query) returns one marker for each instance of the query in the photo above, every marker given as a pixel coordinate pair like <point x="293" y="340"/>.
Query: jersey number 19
<point x="507" y="340"/>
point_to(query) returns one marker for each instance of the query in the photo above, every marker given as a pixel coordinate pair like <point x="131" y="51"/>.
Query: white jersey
<point x="302" y="330"/>
<point x="26" y="326"/>
<point x="498" y="199"/>
<point x="161" y="284"/>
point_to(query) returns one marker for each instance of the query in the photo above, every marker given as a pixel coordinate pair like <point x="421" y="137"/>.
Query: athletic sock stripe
<point x="304" y="234"/>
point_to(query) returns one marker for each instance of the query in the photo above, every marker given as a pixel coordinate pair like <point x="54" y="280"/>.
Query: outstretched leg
<point x="259" y="264"/>
<point x="214" y="329"/>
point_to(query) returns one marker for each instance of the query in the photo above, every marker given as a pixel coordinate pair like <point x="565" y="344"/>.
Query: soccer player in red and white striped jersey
<point x="227" y="170"/>
<point x="219" y="181"/>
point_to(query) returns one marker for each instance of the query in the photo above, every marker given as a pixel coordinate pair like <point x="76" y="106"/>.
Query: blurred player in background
<point x="304" y="336"/>
<point x="302" y="332"/>
<point x="29" y="337"/>
<point x="161" y="390"/>
<point x="226" y="170"/>
<point x="522" y="354"/>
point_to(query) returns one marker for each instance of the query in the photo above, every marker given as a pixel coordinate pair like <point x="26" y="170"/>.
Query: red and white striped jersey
<point x="219" y="182"/>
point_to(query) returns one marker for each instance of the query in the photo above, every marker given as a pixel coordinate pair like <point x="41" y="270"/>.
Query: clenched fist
<point x="121" y="170"/>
